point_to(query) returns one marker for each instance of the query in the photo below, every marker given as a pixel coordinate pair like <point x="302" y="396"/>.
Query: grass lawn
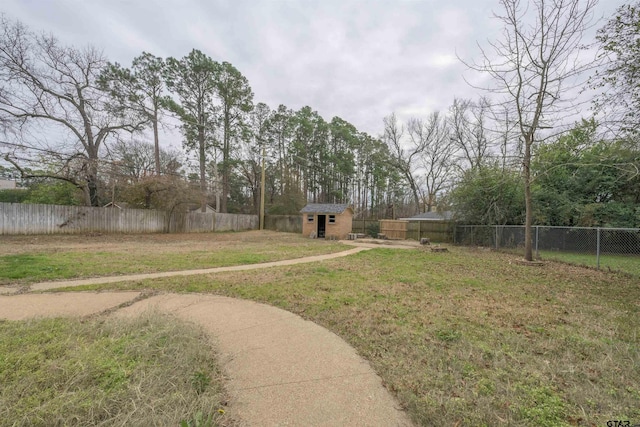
<point x="29" y="259"/>
<point x="151" y="371"/>
<point x="467" y="337"/>
<point x="629" y="264"/>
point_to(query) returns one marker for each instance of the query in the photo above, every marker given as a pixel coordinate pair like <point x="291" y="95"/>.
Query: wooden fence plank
<point x="285" y="223"/>
<point x="17" y="218"/>
<point x="394" y="229"/>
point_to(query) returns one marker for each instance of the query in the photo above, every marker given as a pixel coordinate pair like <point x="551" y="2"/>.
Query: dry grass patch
<point x="468" y="337"/>
<point x="135" y="242"/>
<point x="151" y="371"/>
<point x="28" y="259"/>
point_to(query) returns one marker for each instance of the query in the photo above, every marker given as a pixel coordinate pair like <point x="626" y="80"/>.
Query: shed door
<point x="322" y="225"/>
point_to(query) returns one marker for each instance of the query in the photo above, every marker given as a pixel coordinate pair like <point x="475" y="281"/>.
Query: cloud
<point x="360" y="60"/>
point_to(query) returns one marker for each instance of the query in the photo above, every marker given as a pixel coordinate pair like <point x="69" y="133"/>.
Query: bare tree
<point x="507" y="137"/>
<point x="136" y="159"/>
<point x="50" y="89"/>
<point x="537" y="67"/>
<point x="437" y="156"/>
<point x="469" y="129"/>
<point x="405" y="158"/>
<point x="164" y="192"/>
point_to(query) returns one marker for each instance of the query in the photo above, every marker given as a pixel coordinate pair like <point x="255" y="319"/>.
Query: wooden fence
<point x="286" y="223"/>
<point x="18" y="218"/>
<point x="394" y="229"/>
<point x="437" y="231"/>
<point x="370" y="227"/>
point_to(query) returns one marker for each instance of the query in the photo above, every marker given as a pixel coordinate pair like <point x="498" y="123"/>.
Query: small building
<point x="326" y="220"/>
<point x="198" y="208"/>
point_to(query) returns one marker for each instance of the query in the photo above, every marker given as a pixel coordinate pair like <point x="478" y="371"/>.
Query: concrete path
<point x="113" y="279"/>
<point x="383" y="244"/>
<point x="282" y="370"/>
<point x="26" y="306"/>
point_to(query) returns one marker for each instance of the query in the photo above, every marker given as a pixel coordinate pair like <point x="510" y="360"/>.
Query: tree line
<point x="89" y="109"/>
<point x="74" y="123"/>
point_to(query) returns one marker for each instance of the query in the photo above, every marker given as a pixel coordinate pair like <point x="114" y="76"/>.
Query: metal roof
<point x="330" y="208"/>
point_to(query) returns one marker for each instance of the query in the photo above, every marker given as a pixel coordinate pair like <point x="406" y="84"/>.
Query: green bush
<point x="16" y="195"/>
<point x="373" y="229"/>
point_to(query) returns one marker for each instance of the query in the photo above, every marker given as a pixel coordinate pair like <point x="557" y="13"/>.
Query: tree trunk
<point x="225" y="186"/>
<point x="216" y="178"/>
<point x="225" y="162"/>
<point x="156" y="141"/>
<point x="528" y="252"/>
<point x="147" y="198"/>
<point x="416" y="198"/>
<point x="203" y="178"/>
<point x="282" y="165"/>
<point x="92" y="178"/>
<point x="92" y="184"/>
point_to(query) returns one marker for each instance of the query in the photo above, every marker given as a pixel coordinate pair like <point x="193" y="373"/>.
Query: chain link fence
<point x="609" y="248"/>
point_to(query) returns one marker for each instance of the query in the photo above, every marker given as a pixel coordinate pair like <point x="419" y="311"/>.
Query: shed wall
<point x="340" y="229"/>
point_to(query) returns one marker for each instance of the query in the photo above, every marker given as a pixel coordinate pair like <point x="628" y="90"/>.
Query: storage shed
<point x="326" y="220"/>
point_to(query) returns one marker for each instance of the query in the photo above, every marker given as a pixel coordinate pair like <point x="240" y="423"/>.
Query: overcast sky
<point x="359" y="60"/>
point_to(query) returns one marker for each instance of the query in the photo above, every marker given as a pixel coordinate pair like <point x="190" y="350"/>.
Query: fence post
<point x="537" y="251"/>
<point x="496" y="237"/>
<point x="598" y="248"/>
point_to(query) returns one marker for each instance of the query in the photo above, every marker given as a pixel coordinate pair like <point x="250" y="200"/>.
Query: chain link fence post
<point x="615" y="249"/>
<point x="598" y="248"/>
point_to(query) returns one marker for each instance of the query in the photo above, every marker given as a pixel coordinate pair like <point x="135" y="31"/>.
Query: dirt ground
<point x="162" y="243"/>
<point x="179" y="242"/>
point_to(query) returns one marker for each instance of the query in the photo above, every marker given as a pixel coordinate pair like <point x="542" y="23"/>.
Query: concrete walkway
<point x="282" y="370"/>
<point x="26" y="306"/>
<point x="131" y="277"/>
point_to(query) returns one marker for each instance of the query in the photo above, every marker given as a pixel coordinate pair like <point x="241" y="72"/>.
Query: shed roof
<point x="196" y="206"/>
<point x="330" y="208"/>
